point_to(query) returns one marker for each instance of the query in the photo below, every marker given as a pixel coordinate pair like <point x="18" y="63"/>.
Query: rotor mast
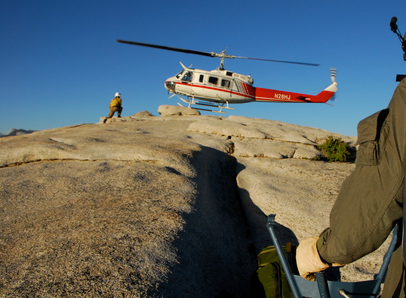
<point x="222" y="56"/>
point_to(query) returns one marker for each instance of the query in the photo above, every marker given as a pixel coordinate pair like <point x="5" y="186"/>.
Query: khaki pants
<point x="113" y="110"/>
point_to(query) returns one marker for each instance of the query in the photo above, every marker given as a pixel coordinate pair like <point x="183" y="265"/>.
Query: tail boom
<point x="264" y="95"/>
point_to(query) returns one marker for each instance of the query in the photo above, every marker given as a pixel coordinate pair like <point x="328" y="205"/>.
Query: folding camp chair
<point x="323" y="288"/>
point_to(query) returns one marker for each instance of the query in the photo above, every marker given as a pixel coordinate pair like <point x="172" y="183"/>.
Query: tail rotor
<point x="333" y="73"/>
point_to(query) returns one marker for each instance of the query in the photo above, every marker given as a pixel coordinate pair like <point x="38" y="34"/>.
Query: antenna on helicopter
<point x="394" y="27"/>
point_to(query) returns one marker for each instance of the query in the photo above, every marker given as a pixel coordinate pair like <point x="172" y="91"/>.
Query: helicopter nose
<point x="170" y="86"/>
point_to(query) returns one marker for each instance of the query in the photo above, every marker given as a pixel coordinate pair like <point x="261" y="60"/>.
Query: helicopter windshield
<point x="179" y="74"/>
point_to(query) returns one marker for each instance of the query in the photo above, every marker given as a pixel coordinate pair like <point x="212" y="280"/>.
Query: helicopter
<point x="219" y="88"/>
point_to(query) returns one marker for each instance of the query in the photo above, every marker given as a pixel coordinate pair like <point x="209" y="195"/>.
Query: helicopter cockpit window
<point x="201" y="78"/>
<point x="179" y="74"/>
<point x="225" y="83"/>
<point x="213" y="80"/>
<point x="187" y="76"/>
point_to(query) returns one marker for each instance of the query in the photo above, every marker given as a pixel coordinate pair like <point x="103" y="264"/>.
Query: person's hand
<point x="308" y="259"/>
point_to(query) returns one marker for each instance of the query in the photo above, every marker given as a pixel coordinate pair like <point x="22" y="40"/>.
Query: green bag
<point x="271" y="274"/>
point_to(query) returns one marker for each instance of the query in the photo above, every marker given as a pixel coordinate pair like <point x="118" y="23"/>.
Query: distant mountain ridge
<point x="16" y="132"/>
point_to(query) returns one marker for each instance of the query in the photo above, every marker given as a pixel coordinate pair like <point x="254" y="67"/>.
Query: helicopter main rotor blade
<point x="280" y="61"/>
<point x="221" y="55"/>
<point x="167" y="48"/>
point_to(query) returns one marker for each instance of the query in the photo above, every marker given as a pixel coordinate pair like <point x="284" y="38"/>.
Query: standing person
<point x="370" y="201"/>
<point x="115" y="106"/>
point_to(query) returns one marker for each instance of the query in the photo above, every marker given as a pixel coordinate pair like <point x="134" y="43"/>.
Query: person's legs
<point x="112" y="111"/>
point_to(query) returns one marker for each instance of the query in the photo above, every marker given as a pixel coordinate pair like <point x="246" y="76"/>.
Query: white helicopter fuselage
<point x="221" y="86"/>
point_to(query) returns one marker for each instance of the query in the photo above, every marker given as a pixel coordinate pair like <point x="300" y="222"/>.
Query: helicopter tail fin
<point x="329" y="92"/>
<point x="326" y="94"/>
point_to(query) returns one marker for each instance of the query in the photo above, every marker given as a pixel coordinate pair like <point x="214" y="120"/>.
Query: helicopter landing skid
<point x="192" y="101"/>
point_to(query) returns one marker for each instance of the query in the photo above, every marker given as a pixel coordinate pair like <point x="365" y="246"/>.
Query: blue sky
<point x="61" y="65"/>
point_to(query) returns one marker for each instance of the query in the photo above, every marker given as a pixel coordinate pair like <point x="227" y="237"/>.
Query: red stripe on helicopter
<point x="248" y="89"/>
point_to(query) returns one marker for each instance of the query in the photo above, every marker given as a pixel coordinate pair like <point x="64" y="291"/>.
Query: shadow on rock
<point x="215" y="249"/>
<point x="257" y="221"/>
